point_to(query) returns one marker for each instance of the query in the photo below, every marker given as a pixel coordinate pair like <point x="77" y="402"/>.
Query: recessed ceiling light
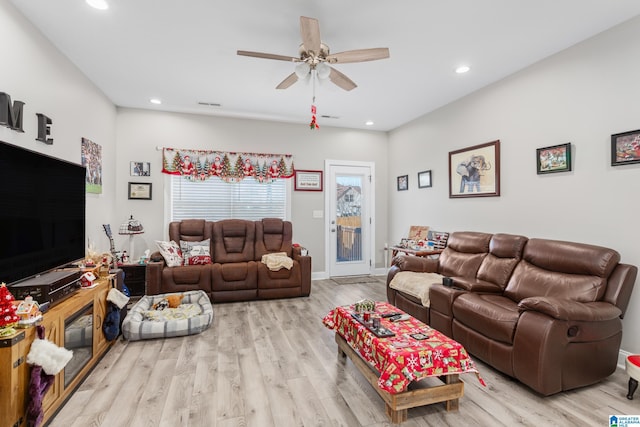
<point x="462" y="69"/>
<point x="155" y="101"/>
<point x="369" y="123"/>
<point x="98" y="4"/>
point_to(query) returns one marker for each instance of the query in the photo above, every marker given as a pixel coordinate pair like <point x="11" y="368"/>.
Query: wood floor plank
<point x="273" y="363"/>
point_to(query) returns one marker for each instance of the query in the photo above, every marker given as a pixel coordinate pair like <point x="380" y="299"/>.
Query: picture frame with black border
<point x="424" y="179"/>
<point x="556" y="158"/>
<point x="625" y="148"/>
<point x="140" y="190"/>
<point x="403" y="182"/>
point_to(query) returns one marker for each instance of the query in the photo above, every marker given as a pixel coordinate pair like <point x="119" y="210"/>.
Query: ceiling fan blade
<point x="359" y="55"/>
<point x="267" y="56"/>
<point x="341" y="80"/>
<point x="291" y="79"/>
<point x="310" y="33"/>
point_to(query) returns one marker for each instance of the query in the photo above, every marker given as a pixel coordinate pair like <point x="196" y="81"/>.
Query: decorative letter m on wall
<point x="10" y="114"/>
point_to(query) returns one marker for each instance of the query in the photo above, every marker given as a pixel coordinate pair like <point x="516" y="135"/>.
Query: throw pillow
<point x="170" y="252"/>
<point x="196" y="253"/>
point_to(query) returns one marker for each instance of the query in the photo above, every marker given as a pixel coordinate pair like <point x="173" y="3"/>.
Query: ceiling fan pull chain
<point x="313" y="125"/>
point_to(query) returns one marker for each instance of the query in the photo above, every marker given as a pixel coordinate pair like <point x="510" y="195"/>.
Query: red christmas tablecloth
<point x="401" y="359"/>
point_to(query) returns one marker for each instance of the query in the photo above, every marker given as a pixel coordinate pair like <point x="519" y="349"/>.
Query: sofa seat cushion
<point x="186" y="278"/>
<point x="493" y="316"/>
<point x="282" y="278"/>
<point x="415" y="284"/>
<point x="234" y="276"/>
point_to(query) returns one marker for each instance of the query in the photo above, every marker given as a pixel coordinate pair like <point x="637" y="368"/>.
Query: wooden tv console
<point x="15" y="372"/>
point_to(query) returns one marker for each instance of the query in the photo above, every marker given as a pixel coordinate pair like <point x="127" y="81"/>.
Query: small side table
<point x="135" y="277"/>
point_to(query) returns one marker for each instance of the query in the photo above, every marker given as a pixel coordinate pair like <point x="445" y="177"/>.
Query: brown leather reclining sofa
<point x="236" y="272"/>
<point x="545" y="312"/>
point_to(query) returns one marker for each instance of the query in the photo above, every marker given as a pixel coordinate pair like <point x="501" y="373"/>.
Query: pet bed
<point x="192" y="316"/>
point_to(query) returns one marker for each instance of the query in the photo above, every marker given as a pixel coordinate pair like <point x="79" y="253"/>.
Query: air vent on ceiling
<point x="325" y="116"/>
<point x="210" y="104"/>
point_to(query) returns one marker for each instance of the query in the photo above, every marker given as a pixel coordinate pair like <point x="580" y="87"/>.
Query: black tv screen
<point x="42" y="213"/>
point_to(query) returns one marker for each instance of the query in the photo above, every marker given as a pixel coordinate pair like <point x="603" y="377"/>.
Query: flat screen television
<point x="42" y="213"/>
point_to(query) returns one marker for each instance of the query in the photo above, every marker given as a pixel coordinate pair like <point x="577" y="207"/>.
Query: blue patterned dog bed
<point x="193" y="316"/>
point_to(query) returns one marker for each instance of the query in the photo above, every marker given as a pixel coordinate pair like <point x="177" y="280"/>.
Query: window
<point x="213" y="199"/>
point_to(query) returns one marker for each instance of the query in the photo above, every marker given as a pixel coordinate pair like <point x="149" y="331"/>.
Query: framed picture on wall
<point x="424" y="179"/>
<point x="403" y="182"/>
<point x="625" y="148"/>
<point x="554" y="159"/>
<point x="140" y="168"/>
<point x="140" y="190"/>
<point x="475" y="171"/>
<point x="308" y="180"/>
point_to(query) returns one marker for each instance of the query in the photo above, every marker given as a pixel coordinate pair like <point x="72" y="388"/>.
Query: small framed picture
<point x="625" y="148"/>
<point x="424" y="179"/>
<point x="140" y="190"/>
<point x="308" y="180"/>
<point x="140" y="168"/>
<point x="554" y="159"/>
<point x="403" y="182"/>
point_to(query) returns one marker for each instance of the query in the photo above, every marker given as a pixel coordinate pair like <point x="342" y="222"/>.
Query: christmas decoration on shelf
<point x="8" y="316"/>
<point x="313" y="125"/>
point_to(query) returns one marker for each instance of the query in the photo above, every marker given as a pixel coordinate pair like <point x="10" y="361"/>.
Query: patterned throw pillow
<point x="170" y="252"/>
<point x="196" y="253"/>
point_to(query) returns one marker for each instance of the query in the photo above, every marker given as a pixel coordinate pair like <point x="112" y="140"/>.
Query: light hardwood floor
<point x="273" y="363"/>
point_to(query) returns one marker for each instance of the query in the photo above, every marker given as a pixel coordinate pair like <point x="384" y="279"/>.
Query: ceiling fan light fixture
<point x="98" y="4"/>
<point x="323" y="70"/>
<point x="302" y="69"/>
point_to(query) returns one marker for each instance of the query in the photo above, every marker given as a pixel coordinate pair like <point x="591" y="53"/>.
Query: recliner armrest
<point x="476" y="285"/>
<point x="154" y="277"/>
<point x="414" y="263"/>
<point x="564" y="309"/>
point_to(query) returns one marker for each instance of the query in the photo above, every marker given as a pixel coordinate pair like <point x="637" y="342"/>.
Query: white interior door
<point x="349" y="217"/>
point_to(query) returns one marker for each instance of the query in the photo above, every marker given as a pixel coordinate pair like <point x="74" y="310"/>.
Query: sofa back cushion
<point x="273" y="235"/>
<point x="191" y="230"/>
<point x="464" y="253"/>
<point x="233" y="240"/>
<point x="574" y="271"/>
<point x="505" y="251"/>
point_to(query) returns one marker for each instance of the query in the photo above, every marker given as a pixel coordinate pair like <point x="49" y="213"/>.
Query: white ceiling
<point x="184" y="51"/>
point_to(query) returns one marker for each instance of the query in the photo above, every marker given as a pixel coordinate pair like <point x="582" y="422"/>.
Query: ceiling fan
<point x="314" y="56"/>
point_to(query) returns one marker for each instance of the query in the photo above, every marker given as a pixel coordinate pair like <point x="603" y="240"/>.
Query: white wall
<point x="139" y="132"/>
<point x="582" y="96"/>
<point x="32" y="70"/>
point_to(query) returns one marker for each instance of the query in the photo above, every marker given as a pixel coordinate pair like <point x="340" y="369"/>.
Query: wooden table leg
<point x="396" y="417"/>
<point x="452" y="405"/>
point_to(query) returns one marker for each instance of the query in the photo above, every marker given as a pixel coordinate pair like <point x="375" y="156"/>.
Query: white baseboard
<point x="321" y="275"/>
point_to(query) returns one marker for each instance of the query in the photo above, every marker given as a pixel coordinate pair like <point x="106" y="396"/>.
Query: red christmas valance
<point x="198" y="165"/>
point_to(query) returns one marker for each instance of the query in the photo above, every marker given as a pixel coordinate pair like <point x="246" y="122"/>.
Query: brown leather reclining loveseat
<point x="545" y="312"/>
<point x="236" y="272"/>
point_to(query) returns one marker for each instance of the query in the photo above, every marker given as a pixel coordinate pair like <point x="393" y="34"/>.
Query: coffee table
<point x="395" y="366"/>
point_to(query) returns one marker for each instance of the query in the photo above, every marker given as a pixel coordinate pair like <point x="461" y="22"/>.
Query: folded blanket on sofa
<point x="277" y="260"/>
<point x="415" y="284"/>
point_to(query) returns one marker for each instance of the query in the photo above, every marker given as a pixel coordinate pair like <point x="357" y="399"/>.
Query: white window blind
<point x="214" y="200"/>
